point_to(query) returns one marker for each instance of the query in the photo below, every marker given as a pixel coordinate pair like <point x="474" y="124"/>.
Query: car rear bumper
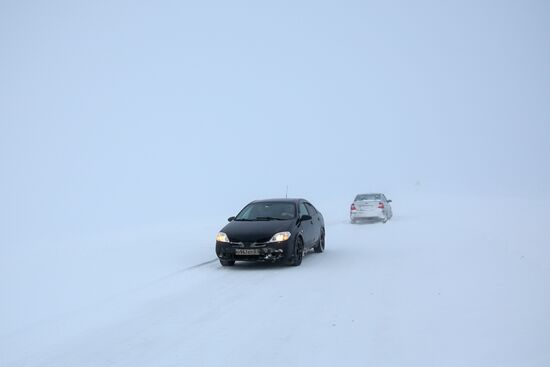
<point x="265" y="252"/>
<point x="368" y="214"/>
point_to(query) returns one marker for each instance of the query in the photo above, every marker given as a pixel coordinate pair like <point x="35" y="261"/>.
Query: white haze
<point x="127" y="121"/>
<point x="123" y="114"/>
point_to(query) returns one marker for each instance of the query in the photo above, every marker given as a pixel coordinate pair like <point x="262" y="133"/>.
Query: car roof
<point x="284" y="200"/>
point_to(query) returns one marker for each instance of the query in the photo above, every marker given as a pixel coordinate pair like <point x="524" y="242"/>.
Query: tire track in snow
<point x="106" y="299"/>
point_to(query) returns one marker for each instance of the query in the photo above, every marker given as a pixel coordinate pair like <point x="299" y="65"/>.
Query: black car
<point x="272" y="230"/>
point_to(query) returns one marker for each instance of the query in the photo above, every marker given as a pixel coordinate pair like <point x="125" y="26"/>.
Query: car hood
<point x="257" y="231"/>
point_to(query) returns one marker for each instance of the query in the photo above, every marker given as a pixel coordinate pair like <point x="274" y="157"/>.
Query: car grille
<point x="247" y="239"/>
<point x="248" y="243"/>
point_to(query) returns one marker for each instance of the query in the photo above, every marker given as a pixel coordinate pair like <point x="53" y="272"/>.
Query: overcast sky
<point x="124" y="113"/>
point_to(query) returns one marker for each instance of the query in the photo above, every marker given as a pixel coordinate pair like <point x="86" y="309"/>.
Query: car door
<point x="316" y="222"/>
<point x="306" y="225"/>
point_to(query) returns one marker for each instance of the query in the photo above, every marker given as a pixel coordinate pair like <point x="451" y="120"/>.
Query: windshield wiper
<point x="244" y="220"/>
<point x="268" y="218"/>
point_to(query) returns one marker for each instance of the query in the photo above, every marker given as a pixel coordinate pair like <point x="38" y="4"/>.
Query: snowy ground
<point x="450" y="281"/>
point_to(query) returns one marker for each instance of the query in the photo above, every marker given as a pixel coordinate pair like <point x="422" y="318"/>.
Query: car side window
<point x="384" y="198"/>
<point x="311" y="209"/>
<point x="303" y="210"/>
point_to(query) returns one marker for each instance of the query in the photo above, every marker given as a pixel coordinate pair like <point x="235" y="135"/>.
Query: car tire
<point x="321" y="245"/>
<point x="353" y="221"/>
<point x="227" y="262"/>
<point x="298" y="253"/>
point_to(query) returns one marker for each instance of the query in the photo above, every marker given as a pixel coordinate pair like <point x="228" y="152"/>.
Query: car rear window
<point x="368" y="197"/>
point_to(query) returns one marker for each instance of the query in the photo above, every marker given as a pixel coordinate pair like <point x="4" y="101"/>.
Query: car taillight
<point x="380" y="205"/>
<point x="353" y="207"/>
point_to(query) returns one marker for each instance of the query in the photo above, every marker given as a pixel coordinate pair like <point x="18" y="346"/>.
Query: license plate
<point x="247" y="251"/>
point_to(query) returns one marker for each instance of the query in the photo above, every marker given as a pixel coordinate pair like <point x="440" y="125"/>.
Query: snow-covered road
<point x="435" y="286"/>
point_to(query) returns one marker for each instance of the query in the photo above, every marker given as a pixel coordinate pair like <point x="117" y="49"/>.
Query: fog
<point x="122" y="115"/>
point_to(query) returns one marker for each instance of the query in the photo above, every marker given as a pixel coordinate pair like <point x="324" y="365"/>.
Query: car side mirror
<point x="305" y="217"/>
<point x="389" y="201"/>
<point x="230" y="219"/>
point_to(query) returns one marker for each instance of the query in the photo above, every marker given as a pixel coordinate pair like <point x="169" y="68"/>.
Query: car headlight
<point x="222" y="237"/>
<point x="280" y="237"/>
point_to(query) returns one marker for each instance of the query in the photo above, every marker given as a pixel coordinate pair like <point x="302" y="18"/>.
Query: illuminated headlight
<point x="222" y="237"/>
<point x="280" y="237"/>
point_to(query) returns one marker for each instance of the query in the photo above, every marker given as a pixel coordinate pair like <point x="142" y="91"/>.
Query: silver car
<point x="370" y="207"/>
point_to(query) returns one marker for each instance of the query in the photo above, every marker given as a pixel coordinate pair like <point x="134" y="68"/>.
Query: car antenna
<point x="286" y="195"/>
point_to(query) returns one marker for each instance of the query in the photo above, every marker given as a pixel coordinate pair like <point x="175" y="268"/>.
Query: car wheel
<point x="353" y="221"/>
<point x="321" y="245"/>
<point x="227" y="262"/>
<point x="298" y="252"/>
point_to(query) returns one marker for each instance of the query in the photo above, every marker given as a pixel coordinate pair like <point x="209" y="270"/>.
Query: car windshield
<point x="364" y="197"/>
<point x="267" y="211"/>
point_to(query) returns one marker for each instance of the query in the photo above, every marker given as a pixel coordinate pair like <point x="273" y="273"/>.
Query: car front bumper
<point x="252" y="252"/>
